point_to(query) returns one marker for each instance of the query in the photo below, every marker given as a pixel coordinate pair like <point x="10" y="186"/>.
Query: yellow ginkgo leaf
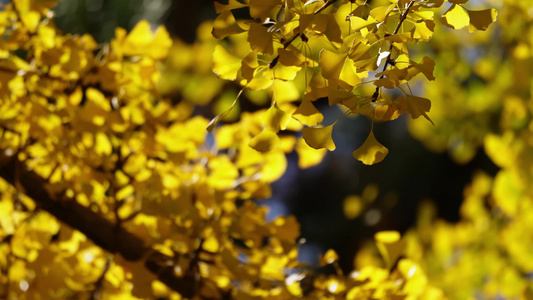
<point x="319" y="137"/>
<point x="456" y="17"/>
<point x="415" y="106"/>
<point x="307" y="156"/>
<point x="275" y="119"/>
<point x="261" y="9"/>
<point x="481" y="19"/>
<point x="225" y="65"/>
<point x="307" y="114"/>
<point x="381" y="13"/>
<point x="224" y="25"/>
<point x="426" y="67"/>
<point x="265" y="141"/>
<point x="260" y="39"/>
<point x="337" y="66"/>
<point x="423" y="30"/>
<point x="317" y="87"/>
<point x="371" y="152"/>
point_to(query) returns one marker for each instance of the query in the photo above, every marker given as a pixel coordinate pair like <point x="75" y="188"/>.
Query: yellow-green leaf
<point x="456" y="17"/>
<point x="319" y="137"/>
<point x="371" y="152"/>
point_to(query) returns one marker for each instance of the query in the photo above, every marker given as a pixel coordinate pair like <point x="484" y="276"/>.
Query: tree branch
<point x="100" y="230"/>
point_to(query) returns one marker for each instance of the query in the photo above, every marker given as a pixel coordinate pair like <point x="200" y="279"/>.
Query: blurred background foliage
<point x="342" y="203"/>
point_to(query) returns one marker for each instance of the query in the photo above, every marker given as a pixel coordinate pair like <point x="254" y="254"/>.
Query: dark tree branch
<point x="100" y="230"/>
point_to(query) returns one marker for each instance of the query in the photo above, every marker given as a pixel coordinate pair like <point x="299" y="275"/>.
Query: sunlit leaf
<point x="265" y="141"/>
<point x="275" y="119"/>
<point x="319" y="137"/>
<point x="308" y="156"/>
<point x="260" y="39"/>
<point x="415" y="106"/>
<point x="225" y="65"/>
<point x="307" y="114"/>
<point x="371" y="152"/>
<point x="225" y="25"/>
<point x="456" y="17"/>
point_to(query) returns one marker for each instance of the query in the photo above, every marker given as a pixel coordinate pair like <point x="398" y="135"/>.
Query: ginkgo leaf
<point x="225" y="65"/>
<point x="275" y="119"/>
<point x="357" y="23"/>
<point x="317" y="87"/>
<point x="343" y="97"/>
<point x="423" y="30"/>
<point x="308" y="156"/>
<point x="381" y="13"/>
<point x="225" y="25"/>
<point x="371" y="152"/>
<point x="265" y="141"/>
<point x="319" y="137"/>
<point x="260" y="39"/>
<point x="232" y="4"/>
<point x="426" y="67"/>
<point x="323" y="24"/>
<point x="261" y="9"/>
<point x="308" y="114"/>
<point x="337" y="66"/>
<point x="481" y="19"/>
<point x="415" y="106"/>
<point x="456" y="17"/>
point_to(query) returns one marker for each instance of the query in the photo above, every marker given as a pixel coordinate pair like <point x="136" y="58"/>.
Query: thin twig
<point x="388" y="60"/>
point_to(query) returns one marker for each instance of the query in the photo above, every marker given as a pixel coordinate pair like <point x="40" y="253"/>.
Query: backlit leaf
<point x="415" y="106"/>
<point x="275" y="119"/>
<point x="456" y="17"/>
<point x="260" y="39"/>
<point x="371" y="152"/>
<point x="225" y="65"/>
<point x="319" y="137"/>
<point x="225" y="25"/>
<point x="265" y="141"/>
<point x="307" y="114"/>
<point x="262" y="9"/>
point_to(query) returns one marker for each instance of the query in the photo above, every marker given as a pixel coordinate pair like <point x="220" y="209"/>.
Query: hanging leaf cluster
<point x="334" y="49"/>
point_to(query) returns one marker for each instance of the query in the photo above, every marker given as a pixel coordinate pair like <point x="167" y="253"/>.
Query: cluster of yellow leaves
<point x="94" y="123"/>
<point x="301" y="51"/>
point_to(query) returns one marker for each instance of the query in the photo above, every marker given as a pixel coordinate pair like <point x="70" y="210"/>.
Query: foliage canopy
<point x="112" y="190"/>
